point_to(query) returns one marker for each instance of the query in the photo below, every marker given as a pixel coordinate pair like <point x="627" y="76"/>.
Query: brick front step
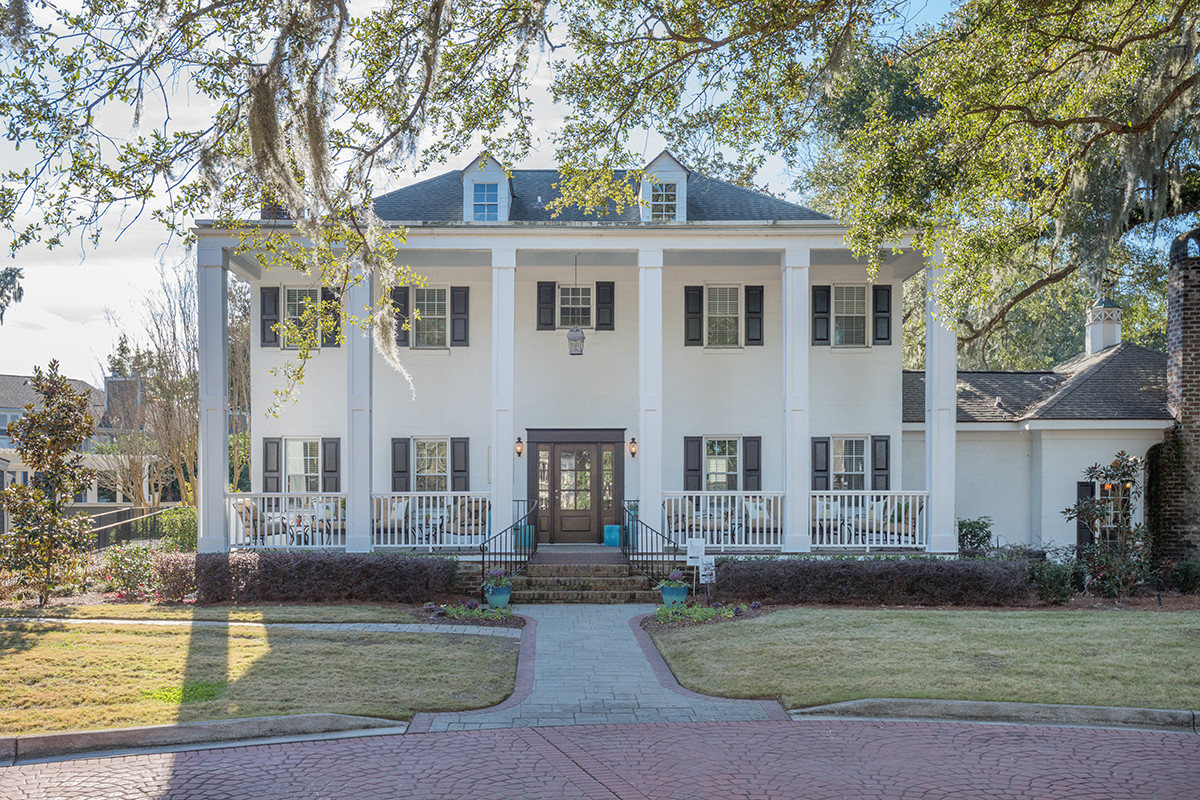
<point x="579" y="583"/>
<point x="579" y="570"/>
<point x="578" y="596"/>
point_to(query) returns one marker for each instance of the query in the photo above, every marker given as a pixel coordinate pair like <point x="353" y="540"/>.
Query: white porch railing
<point x="870" y="520"/>
<point x="725" y="520"/>
<point x="286" y="521"/>
<point x="430" y="520"/>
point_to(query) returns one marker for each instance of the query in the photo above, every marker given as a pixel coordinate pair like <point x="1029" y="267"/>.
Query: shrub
<point x="694" y="613"/>
<point x="876" y="581"/>
<point x="174" y="576"/>
<point x="1053" y="580"/>
<point x="974" y="536"/>
<point x="321" y="577"/>
<point x="129" y="569"/>
<point x="1185" y="577"/>
<point x="179" y="529"/>
<point x="1115" y="571"/>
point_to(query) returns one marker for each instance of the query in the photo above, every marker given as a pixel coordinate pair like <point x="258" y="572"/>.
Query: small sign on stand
<point x="708" y="570"/>
<point x="695" y="551"/>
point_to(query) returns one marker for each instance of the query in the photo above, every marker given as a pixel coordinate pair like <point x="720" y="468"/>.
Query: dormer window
<point x="662" y="202"/>
<point x="486" y="202"/>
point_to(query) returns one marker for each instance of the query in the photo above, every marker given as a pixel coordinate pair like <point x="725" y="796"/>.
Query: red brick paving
<point x="813" y="760"/>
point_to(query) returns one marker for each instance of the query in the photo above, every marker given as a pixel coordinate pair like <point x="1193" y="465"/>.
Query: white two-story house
<point x="715" y="360"/>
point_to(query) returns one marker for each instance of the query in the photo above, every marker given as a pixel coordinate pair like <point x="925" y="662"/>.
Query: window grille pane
<point x="849" y="315"/>
<point x="486" y="202"/>
<point x="574" y="306"/>
<point x="849" y="464"/>
<point x="662" y="202"/>
<point x="302" y="460"/>
<point x="430" y="329"/>
<point x="431" y="465"/>
<point x="722" y="323"/>
<point x="720" y="464"/>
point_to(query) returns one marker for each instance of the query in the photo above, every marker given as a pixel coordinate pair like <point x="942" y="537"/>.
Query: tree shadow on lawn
<point x="17" y="637"/>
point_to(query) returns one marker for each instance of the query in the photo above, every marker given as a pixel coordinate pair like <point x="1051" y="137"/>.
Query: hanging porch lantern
<point x="575" y="341"/>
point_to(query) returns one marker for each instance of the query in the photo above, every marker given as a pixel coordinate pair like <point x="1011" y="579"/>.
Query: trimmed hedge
<point x="876" y="581"/>
<point x="316" y="577"/>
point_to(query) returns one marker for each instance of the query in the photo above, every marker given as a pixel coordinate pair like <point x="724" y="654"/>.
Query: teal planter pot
<point x="674" y="595"/>
<point x="497" y="596"/>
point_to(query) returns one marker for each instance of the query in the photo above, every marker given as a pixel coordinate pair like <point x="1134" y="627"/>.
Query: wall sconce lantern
<point x="575" y="341"/>
<point x="632" y="447"/>
<point x="519" y="447"/>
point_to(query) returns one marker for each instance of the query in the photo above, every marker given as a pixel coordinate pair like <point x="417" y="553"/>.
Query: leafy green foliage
<point x="129" y="570"/>
<point x="1053" y="580"/>
<point x="196" y="691"/>
<point x="11" y="290"/>
<point x="693" y="613"/>
<point x="974" y="535"/>
<point x="44" y="543"/>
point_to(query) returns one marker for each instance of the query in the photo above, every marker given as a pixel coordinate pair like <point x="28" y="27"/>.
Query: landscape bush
<point x="179" y="526"/>
<point x="1054" y="581"/>
<point x="321" y="577"/>
<point x="1185" y="577"/>
<point x="129" y="569"/>
<point x="974" y="536"/>
<point x="881" y="581"/>
<point x="174" y="576"/>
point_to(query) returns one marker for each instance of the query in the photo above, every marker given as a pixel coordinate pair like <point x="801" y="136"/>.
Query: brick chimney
<point x="1173" y="490"/>
<point x="1103" y="329"/>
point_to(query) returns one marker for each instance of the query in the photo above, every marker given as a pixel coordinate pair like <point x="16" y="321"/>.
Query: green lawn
<point x="77" y="677"/>
<point x="809" y="657"/>
<point x="260" y="613"/>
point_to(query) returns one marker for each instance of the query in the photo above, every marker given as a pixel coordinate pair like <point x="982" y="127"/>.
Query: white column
<point x="941" y="380"/>
<point x="211" y="297"/>
<point x="357" y="483"/>
<point x="504" y="330"/>
<point x="797" y="450"/>
<point x="650" y="383"/>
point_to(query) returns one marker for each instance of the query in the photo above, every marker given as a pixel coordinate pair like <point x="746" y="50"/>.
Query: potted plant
<point x="674" y="588"/>
<point x="497" y="587"/>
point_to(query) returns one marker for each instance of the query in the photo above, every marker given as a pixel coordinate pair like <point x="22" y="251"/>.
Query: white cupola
<point x="487" y="191"/>
<point x="663" y="190"/>
<point x="1103" y="328"/>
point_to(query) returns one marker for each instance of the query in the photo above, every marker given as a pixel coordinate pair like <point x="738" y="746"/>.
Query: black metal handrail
<point x="524" y="542"/>
<point x="651" y="553"/>
<point x="132" y="523"/>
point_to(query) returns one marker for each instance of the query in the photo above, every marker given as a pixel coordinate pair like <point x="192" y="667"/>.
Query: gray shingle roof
<point x="440" y="199"/>
<point x="16" y="392"/>
<point x="1126" y="381"/>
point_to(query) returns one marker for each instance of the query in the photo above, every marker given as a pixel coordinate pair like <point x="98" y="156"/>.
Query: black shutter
<point x="693" y="316"/>
<point x="272" y="465"/>
<point x="545" y="305"/>
<point x="881" y="307"/>
<point x="1084" y="490"/>
<point x="821" y="297"/>
<point x="605" y="305"/>
<point x="820" y="464"/>
<point x="400" y="476"/>
<point x="331" y="465"/>
<point x="400" y="302"/>
<point x="754" y="315"/>
<point x="881" y="472"/>
<point x="693" y="463"/>
<point x="329" y="338"/>
<point x="460" y="464"/>
<point x="752" y="463"/>
<point x="459" y="303"/>
<point x="268" y="308"/>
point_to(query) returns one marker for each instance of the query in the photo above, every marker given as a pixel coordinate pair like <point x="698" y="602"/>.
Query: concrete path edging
<point x="46" y="745"/>
<point x="990" y="711"/>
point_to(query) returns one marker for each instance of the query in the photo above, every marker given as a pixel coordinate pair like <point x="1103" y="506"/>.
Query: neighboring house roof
<point x="16" y="391"/>
<point x="1126" y="381"/>
<point x="440" y="199"/>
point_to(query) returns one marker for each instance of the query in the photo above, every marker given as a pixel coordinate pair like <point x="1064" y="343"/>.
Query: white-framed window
<point x="302" y="465"/>
<point x="429" y="326"/>
<point x="6" y="416"/>
<point x="295" y="301"/>
<point x="722" y="326"/>
<point x="1118" y="506"/>
<point x="486" y="201"/>
<point x="850" y="316"/>
<point x="849" y="463"/>
<point x="431" y="465"/>
<point x="574" y="306"/>
<point x="721" y="465"/>
<point x="663" y="202"/>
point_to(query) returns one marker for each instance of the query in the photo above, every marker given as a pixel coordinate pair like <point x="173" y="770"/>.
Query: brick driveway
<point x="726" y="760"/>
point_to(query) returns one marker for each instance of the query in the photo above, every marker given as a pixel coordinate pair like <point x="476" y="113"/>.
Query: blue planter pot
<point x="497" y="596"/>
<point x="674" y="595"/>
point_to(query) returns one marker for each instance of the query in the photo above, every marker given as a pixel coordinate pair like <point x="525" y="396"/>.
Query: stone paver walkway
<point x="813" y="760"/>
<point x="591" y="668"/>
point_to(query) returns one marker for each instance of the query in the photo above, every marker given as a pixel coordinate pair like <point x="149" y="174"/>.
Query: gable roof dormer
<point x="487" y="191"/>
<point x="663" y="190"/>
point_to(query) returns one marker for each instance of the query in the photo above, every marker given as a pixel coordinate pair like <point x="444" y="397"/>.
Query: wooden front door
<point x="578" y="490"/>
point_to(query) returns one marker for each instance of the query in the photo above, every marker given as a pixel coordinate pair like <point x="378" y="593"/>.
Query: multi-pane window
<point x="720" y="465"/>
<point x="850" y="315"/>
<point x="722" y="316"/>
<point x="487" y="202"/>
<point x="429" y="327"/>
<point x="431" y="466"/>
<point x="295" y="301"/>
<point x="302" y="460"/>
<point x="662" y="202"/>
<point x="11" y="415"/>
<point x="849" y="464"/>
<point x="1118" y="506"/>
<point x="574" y="306"/>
